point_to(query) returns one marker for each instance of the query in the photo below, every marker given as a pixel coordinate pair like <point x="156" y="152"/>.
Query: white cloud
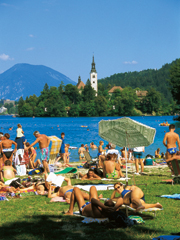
<point x="128" y="62"/>
<point x="31" y="35"/>
<point x="5" y="57"/>
<point x="30" y="49"/>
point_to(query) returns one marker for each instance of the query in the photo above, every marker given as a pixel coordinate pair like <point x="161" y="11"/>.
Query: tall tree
<point x="174" y="80"/>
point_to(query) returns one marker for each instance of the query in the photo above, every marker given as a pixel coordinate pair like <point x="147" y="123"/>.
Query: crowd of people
<point x="110" y="160"/>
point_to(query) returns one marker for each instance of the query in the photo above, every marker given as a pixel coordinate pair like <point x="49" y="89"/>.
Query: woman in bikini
<point x="132" y="196"/>
<point x="7" y="172"/>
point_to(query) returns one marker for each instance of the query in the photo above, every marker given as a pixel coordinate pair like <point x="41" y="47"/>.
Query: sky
<point x="123" y="35"/>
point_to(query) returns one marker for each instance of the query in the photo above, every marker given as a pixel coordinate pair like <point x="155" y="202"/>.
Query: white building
<point x="93" y="77"/>
<point x="3" y="109"/>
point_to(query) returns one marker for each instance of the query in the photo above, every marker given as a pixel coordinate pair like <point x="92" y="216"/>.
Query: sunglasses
<point x="117" y="187"/>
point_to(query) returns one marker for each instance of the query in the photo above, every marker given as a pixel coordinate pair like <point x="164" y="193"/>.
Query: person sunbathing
<point x="7" y="172"/>
<point x="132" y="196"/>
<point x="64" y="191"/>
<point x="94" y="208"/>
<point x="6" y="147"/>
<point x="5" y="188"/>
<point x="110" y="168"/>
<point x="90" y="175"/>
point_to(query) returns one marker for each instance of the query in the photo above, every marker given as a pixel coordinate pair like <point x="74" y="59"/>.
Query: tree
<point x="101" y="105"/>
<point x="20" y="105"/>
<point x="88" y="92"/>
<point x="174" y="81"/>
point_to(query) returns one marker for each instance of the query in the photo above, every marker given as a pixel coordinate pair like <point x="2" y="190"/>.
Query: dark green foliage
<point x="174" y="80"/>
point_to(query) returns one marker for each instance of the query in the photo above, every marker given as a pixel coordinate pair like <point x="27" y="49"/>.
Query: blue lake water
<point x="75" y="135"/>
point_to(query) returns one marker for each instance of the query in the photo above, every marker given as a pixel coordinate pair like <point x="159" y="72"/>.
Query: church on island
<point x="93" y="78"/>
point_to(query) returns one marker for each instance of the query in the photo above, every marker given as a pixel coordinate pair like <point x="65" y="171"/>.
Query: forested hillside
<point x="144" y="80"/>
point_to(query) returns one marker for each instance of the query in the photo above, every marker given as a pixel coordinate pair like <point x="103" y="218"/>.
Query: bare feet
<point x="100" y="196"/>
<point x="158" y="205"/>
<point x="140" y="208"/>
<point x="69" y="213"/>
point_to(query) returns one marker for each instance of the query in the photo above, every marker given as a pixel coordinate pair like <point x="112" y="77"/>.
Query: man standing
<point x="137" y="152"/>
<point x="169" y="141"/>
<point x="6" y="148"/>
<point x="44" y="142"/>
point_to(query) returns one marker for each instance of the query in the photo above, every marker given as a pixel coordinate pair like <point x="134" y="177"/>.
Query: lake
<point x="75" y="135"/>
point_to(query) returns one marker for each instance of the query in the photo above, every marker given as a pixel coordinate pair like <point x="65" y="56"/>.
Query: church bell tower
<point x="93" y="76"/>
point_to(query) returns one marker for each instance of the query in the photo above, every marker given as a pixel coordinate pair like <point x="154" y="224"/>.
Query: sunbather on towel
<point x="132" y="196"/>
<point x="90" y="175"/>
<point x="65" y="191"/>
<point x="110" y="168"/>
<point x="7" y="172"/>
<point x="6" y="146"/>
<point x="94" y="208"/>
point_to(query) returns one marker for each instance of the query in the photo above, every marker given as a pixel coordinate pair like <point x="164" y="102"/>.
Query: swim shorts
<point x="44" y="154"/>
<point x="82" y="155"/>
<point x="172" y="150"/>
<point x="137" y="154"/>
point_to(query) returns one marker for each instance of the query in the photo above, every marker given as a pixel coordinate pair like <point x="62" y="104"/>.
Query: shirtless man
<point x="92" y="145"/>
<point x="65" y="191"/>
<point x="7" y="172"/>
<point x="89" y="176"/>
<point x="110" y="168"/>
<point x="81" y="152"/>
<point x="43" y="141"/>
<point x="169" y="141"/>
<point x="94" y="208"/>
<point x="6" y="148"/>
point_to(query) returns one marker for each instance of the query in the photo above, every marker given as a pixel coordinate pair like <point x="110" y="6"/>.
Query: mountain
<point x="144" y="80"/>
<point x="25" y="80"/>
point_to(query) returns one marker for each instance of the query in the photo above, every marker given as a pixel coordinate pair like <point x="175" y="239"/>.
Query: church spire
<point x="93" y="68"/>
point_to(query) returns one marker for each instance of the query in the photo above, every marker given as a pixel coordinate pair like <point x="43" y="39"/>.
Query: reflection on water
<point x="76" y="134"/>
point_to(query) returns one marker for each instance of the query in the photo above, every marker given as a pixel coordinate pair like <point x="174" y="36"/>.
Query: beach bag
<point x="36" y="171"/>
<point x="98" y="172"/>
<point x="120" y="219"/>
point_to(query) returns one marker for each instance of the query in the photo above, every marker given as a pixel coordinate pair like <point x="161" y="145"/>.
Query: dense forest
<point x="143" y="80"/>
<point x="70" y="101"/>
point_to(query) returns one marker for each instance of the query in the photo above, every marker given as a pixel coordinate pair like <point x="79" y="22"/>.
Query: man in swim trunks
<point x="44" y="142"/>
<point x="81" y="152"/>
<point x="6" y="148"/>
<point x="169" y="141"/>
<point x="94" y="208"/>
<point x="7" y="172"/>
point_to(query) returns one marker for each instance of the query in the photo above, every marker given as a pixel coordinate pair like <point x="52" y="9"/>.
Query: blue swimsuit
<point x="126" y="191"/>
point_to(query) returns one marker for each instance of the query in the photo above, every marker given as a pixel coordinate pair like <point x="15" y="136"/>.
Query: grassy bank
<point x="34" y="217"/>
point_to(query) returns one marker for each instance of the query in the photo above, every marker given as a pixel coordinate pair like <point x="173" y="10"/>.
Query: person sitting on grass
<point x="94" y="208"/>
<point x="112" y="150"/>
<point x="81" y="152"/>
<point x="132" y="196"/>
<point x="90" y="175"/>
<point x="7" y="172"/>
<point x="110" y="168"/>
<point x="157" y="153"/>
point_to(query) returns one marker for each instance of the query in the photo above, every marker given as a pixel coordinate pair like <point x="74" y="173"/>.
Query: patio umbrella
<point x="125" y="132"/>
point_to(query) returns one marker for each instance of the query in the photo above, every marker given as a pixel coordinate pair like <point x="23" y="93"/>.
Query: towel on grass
<point x="167" y="237"/>
<point x="58" y="199"/>
<point x="174" y="196"/>
<point x="67" y="170"/>
<point x="99" y="187"/>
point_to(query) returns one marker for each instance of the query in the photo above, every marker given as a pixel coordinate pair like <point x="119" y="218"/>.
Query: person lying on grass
<point x="94" y="208"/>
<point x="132" y="196"/>
<point x="5" y="188"/>
<point x="90" y="175"/>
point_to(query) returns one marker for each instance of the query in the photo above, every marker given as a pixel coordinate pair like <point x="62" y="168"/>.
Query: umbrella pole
<point x="126" y="166"/>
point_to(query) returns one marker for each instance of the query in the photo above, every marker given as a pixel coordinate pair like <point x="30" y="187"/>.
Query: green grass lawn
<point x="34" y="217"/>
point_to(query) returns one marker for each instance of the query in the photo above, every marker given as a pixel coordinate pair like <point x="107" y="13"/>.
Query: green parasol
<point x="125" y="132"/>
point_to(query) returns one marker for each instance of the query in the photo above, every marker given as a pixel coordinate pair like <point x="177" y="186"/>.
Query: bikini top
<point x="124" y="192"/>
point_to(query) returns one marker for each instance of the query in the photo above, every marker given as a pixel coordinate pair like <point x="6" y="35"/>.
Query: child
<point x="67" y="153"/>
<point x="20" y="132"/>
<point x="62" y="149"/>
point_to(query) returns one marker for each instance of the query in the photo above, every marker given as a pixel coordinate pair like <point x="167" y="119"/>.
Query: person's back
<point x="171" y="138"/>
<point x="43" y="141"/>
<point x="8" y="171"/>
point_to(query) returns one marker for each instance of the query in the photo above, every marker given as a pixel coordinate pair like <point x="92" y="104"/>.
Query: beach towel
<point x="58" y="199"/>
<point x="174" y="196"/>
<point x="99" y="187"/>
<point x="89" y="219"/>
<point x="167" y="237"/>
<point x="21" y="170"/>
<point x="8" y="182"/>
<point x="3" y="198"/>
<point x="67" y="170"/>
<point x="55" y="147"/>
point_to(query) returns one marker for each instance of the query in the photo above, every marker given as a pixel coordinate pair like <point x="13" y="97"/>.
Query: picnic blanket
<point x="67" y="170"/>
<point x="174" y="196"/>
<point x="99" y="187"/>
